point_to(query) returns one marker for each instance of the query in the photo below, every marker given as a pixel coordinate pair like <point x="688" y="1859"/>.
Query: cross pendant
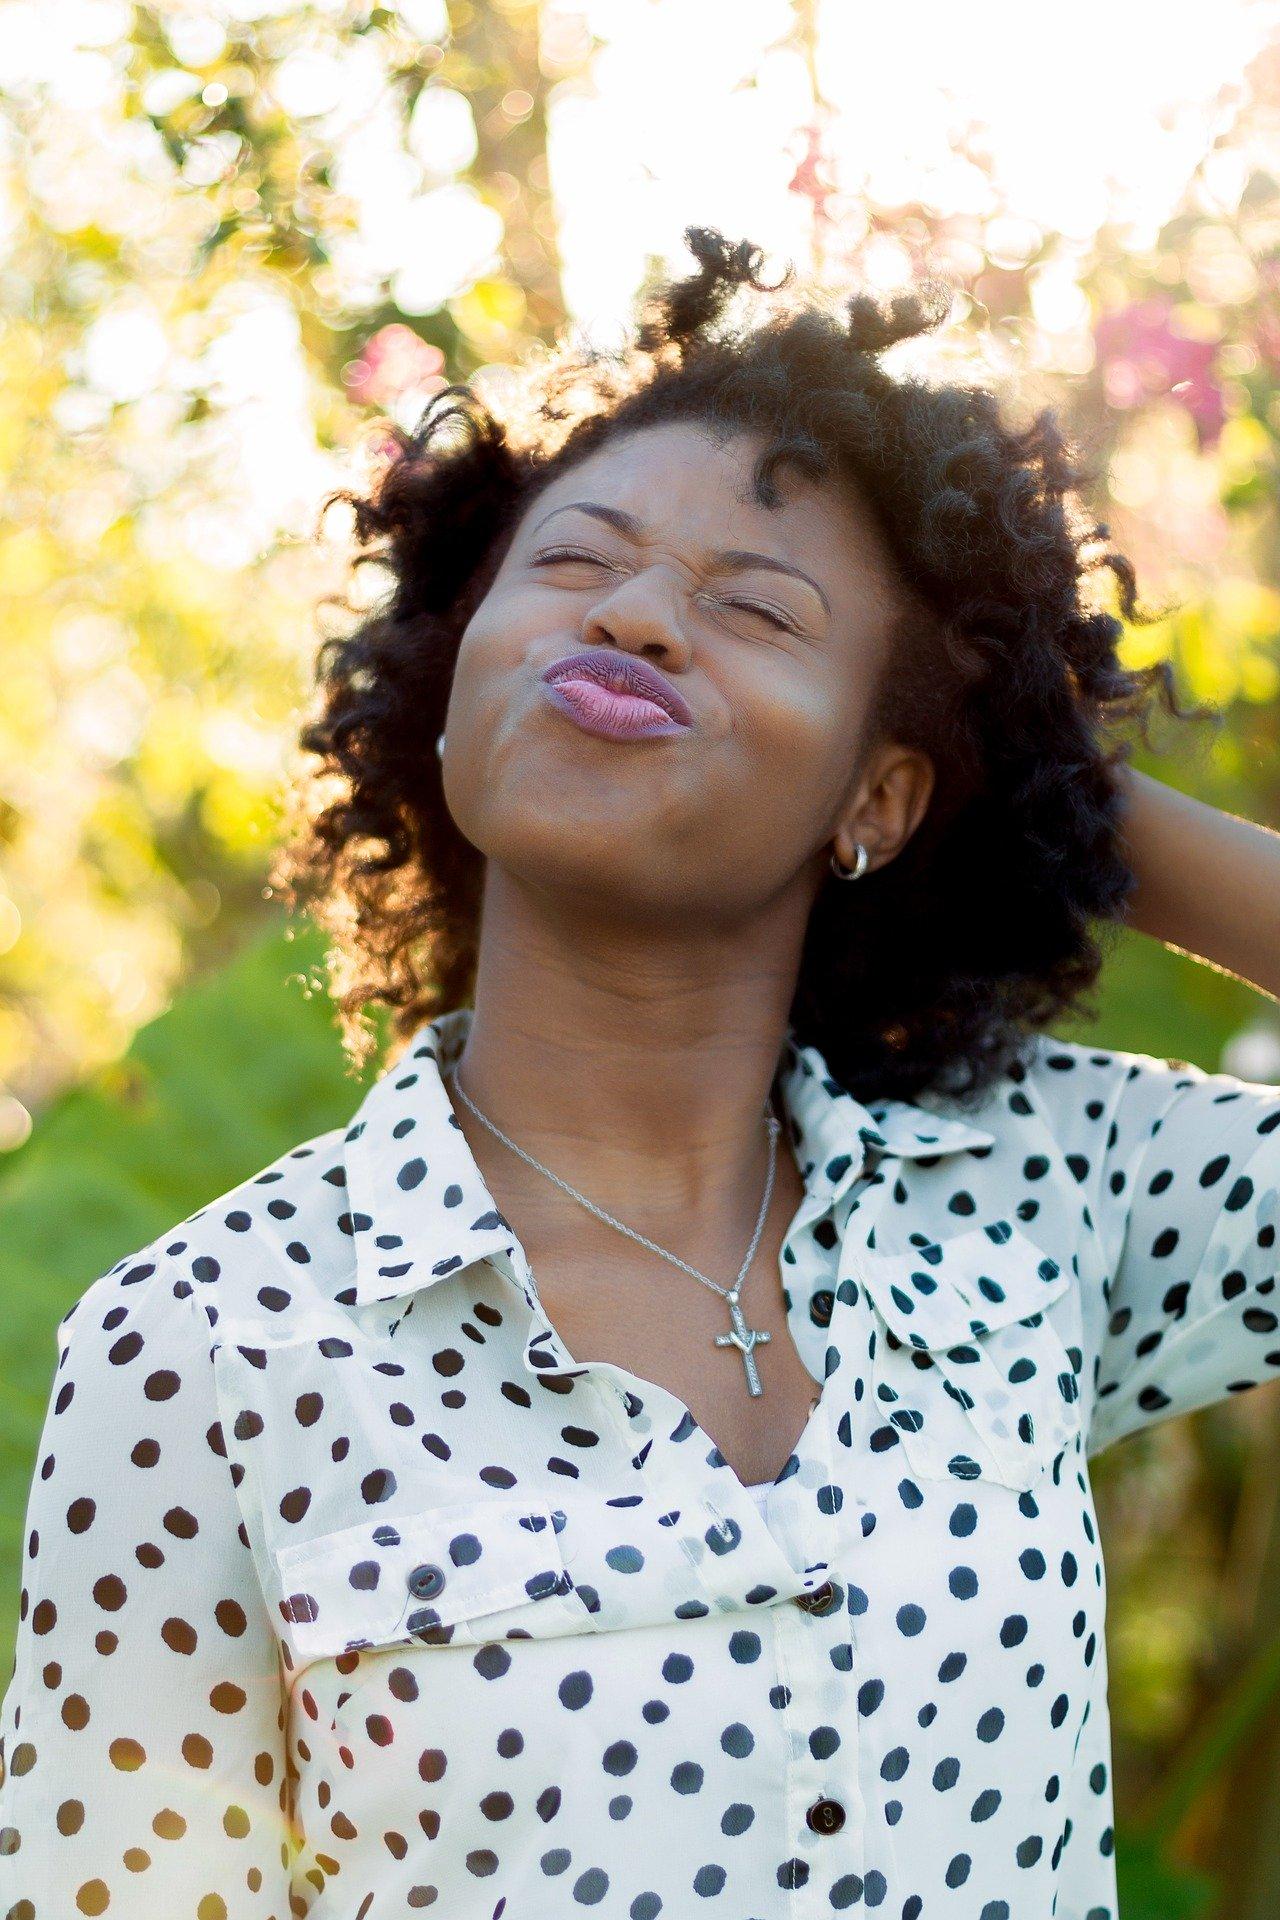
<point x="745" y="1338"/>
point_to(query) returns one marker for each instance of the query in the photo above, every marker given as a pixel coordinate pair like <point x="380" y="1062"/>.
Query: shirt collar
<point x="418" y="1207"/>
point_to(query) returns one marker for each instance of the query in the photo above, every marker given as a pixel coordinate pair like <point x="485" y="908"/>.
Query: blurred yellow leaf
<point x="1259" y="678"/>
<point x="1244" y="608"/>
<point x="1209" y="664"/>
<point x="490" y="312"/>
<point x="1244" y="441"/>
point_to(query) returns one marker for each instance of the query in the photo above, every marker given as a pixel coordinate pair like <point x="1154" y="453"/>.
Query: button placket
<point x="826" y="1813"/>
<point x="817" y="1665"/>
<point x="826" y="1809"/>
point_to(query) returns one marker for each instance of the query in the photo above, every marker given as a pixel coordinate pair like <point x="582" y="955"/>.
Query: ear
<point x="890" y="799"/>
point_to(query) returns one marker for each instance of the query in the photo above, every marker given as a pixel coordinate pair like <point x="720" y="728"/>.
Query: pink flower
<point x="391" y="362"/>
<point x="812" y="179"/>
<point x="1141" y="354"/>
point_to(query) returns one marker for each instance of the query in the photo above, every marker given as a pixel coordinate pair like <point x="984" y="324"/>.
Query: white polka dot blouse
<point x="349" y="1593"/>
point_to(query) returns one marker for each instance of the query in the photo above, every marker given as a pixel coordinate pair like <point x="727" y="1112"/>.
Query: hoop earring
<point x="850" y="873"/>
<point x="440" y="746"/>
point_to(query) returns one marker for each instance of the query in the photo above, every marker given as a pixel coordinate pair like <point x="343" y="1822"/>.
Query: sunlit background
<point x="236" y="240"/>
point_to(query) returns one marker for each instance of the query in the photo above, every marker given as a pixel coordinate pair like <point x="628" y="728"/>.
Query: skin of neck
<point x="634" y="1060"/>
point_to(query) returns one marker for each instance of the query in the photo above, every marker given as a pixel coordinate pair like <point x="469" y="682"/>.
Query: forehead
<point x="693" y="487"/>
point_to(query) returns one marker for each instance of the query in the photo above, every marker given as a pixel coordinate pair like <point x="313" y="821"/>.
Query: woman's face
<point x="776" y="660"/>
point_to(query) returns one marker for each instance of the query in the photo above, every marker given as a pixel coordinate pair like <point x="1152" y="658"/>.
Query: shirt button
<point x="821" y="1600"/>
<point x="825" y="1816"/>
<point x="821" y="1307"/>
<point x="425" y="1582"/>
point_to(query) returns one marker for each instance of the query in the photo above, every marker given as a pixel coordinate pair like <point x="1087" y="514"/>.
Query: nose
<point x="642" y="615"/>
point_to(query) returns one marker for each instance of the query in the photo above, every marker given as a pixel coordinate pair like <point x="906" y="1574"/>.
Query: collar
<point x="419" y="1209"/>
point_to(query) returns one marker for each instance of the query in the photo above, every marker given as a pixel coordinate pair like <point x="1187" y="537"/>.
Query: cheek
<point x="791" y="719"/>
<point x="504" y="778"/>
<point x="489" y="677"/>
<point x="792" y="759"/>
<point x="496" y="638"/>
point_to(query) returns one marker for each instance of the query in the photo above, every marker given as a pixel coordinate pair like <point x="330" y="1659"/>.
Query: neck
<point x="636" y="1063"/>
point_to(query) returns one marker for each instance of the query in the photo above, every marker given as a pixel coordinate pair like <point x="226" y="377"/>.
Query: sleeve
<point x="142" y="1765"/>
<point x="1187" y="1207"/>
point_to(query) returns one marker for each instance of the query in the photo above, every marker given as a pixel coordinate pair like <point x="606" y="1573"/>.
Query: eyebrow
<point x="730" y="559"/>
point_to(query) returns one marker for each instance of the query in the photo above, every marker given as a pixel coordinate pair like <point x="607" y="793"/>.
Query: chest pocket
<point x="496" y="1567"/>
<point x="968" y="1370"/>
<point x="455" y="1574"/>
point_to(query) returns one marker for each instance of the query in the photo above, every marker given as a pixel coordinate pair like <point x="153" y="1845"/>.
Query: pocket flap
<point x="973" y="1378"/>
<point x="947" y="1292"/>
<point x="420" y="1576"/>
<point x="639" y="1561"/>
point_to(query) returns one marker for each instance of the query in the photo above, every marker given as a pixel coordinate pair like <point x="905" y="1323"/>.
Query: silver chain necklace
<point x="740" y="1335"/>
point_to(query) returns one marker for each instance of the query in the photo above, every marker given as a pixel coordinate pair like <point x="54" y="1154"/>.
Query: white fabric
<point x="348" y="1591"/>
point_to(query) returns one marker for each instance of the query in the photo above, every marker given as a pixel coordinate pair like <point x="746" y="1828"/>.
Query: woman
<point x="640" y="1462"/>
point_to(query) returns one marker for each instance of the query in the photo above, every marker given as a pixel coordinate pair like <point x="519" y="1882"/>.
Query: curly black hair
<point x="933" y="970"/>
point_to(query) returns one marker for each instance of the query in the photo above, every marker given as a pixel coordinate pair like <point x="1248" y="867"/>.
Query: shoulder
<point x="1084" y="1099"/>
<point x="1065" y="1079"/>
<point x="133" y="1328"/>
<point x="258" y="1254"/>
<point x="1127" y="1097"/>
<point x="1100" y="1113"/>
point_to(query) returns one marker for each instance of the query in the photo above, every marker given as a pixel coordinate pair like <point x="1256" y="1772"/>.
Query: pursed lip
<point x="625" y="673"/>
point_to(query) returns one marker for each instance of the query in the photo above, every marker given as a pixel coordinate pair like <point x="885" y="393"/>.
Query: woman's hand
<point x="1208" y="882"/>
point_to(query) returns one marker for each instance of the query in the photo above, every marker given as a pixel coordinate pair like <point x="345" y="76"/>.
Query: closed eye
<point x="569" y="553"/>
<point x="771" y="614"/>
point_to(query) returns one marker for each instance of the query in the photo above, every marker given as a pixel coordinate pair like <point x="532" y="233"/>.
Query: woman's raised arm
<point x="1208" y="882"/>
